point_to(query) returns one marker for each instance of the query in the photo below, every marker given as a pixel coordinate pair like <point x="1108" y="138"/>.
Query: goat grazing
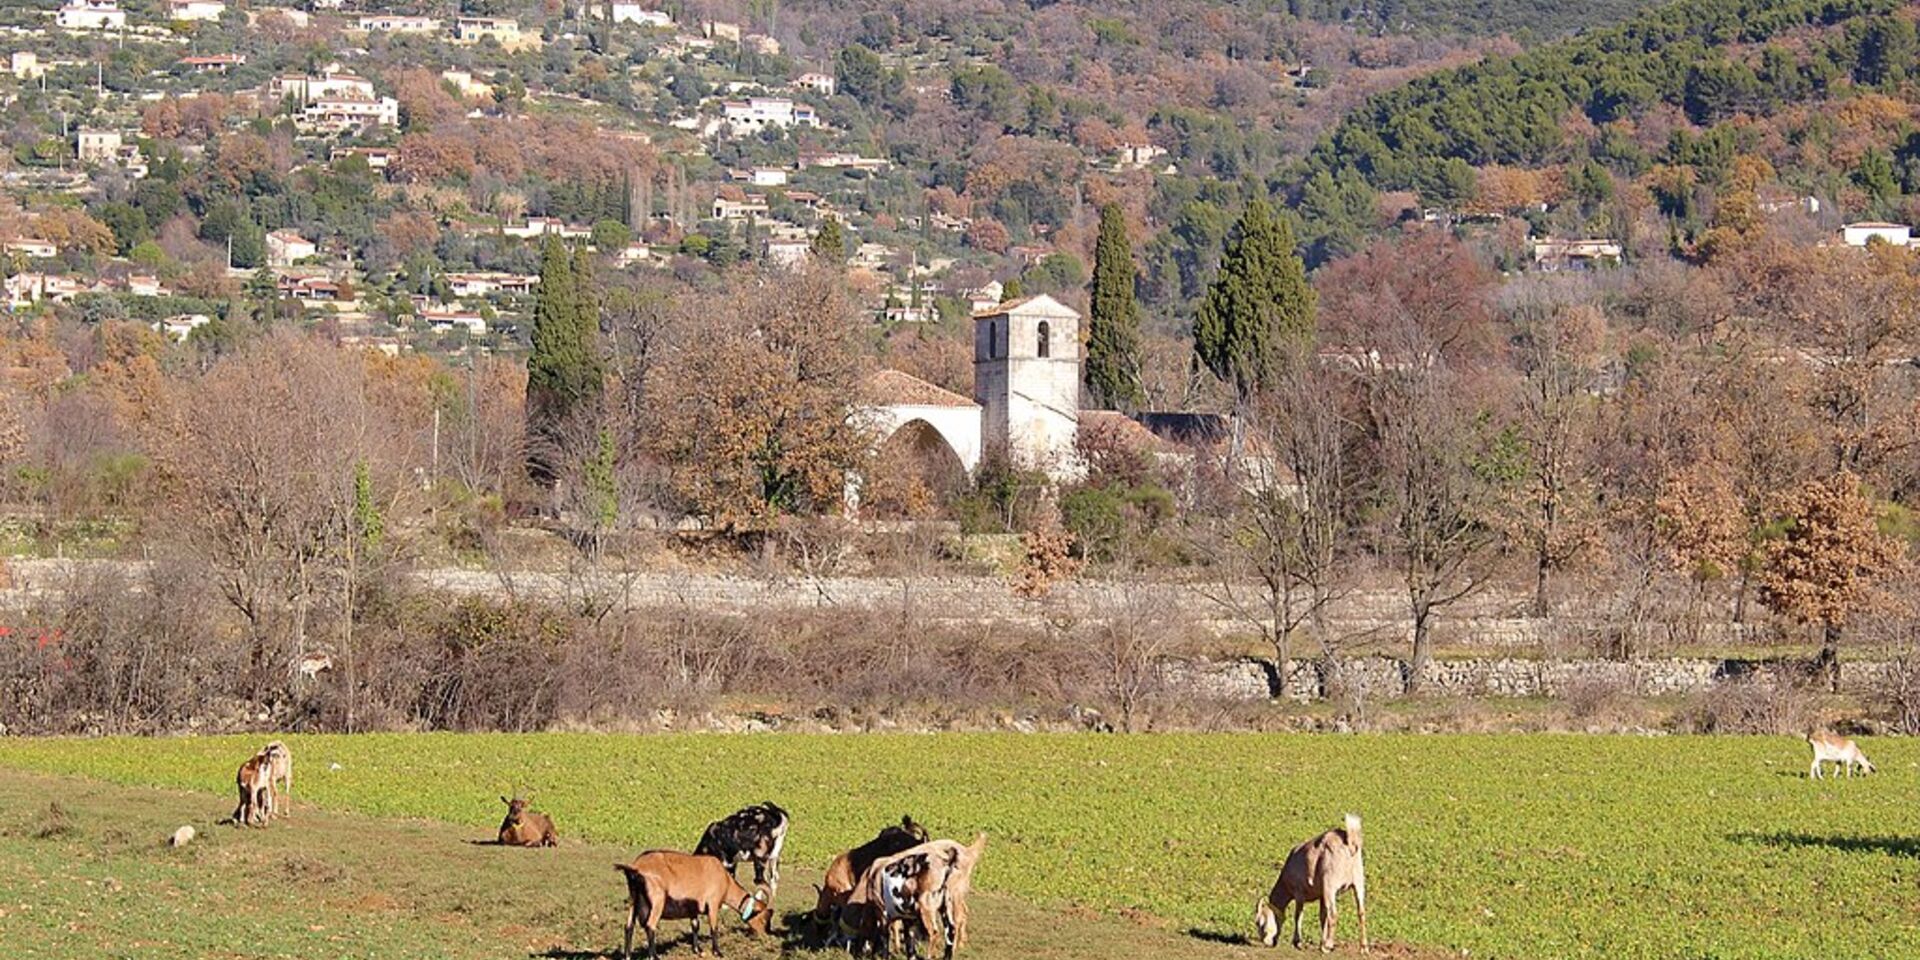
<point x="525" y="828"/>
<point x="1317" y="870"/>
<point x="756" y="833"/>
<point x="844" y="873"/>
<point x="664" y="885"/>
<point x="1830" y="748"/>
<point x="255" y="783"/>
<point x="279" y="770"/>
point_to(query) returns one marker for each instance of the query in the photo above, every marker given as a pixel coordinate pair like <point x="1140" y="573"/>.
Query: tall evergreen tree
<point x="830" y="243"/>
<point x="1113" y="327"/>
<point x="564" y="373"/>
<point x="1258" y="304"/>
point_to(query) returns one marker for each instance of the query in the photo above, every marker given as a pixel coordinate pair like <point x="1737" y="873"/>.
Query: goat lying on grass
<point x="525" y="828"/>
<point x="664" y="885"/>
<point x="1317" y="870"/>
<point x="1831" y="748"/>
<point x="844" y="873"/>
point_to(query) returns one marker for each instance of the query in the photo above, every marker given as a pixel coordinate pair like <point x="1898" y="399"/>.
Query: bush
<point x="1767" y="702"/>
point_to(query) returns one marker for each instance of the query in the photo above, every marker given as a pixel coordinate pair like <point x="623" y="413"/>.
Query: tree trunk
<point x="1422" y="649"/>
<point x="1540" y="588"/>
<point x="1829" y="663"/>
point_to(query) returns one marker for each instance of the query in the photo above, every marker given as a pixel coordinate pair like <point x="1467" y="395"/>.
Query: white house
<point x="546" y="227"/>
<point x="398" y="23"/>
<point x="286" y="248"/>
<point x="767" y="177"/>
<point x="180" y="326"/>
<point x="820" y="83"/>
<point x="91" y="15"/>
<point x="631" y="11"/>
<point x="1860" y="234"/>
<point x="754" y="205"/>
<point x="487" y="284"/>
<point x="25" y="65"/>
<point x="97" y="146"/>
<point x="1558" y="254"/>
<point x="475" y="29"/>
<point x="757" y="113"/>
<point x="208" y="10"/>
<point x="449" y="319"/>
<point x="339" y="114"/>
<point x="32" y="247"/>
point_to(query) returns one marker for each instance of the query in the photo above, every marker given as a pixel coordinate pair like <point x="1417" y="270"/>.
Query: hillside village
<point x="1284" y="305"/>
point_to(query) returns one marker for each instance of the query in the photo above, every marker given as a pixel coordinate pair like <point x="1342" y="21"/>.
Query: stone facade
<point x="1026" y="378"/>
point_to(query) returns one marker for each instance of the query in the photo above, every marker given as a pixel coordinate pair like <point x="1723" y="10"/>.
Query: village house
<point x="631" y="11"/>
<point x="97" y="146"/>
<point x="761" y="44"/>
<point x="192" y="10"/>
<point x="752" y="205"/>
<point x="486" y="284"/>
<point x="286" y="248"/>
<point x="340" y="114"/>
<point x="218" y="63"/>
<point x="757" y="113"/>
<point x="146" y="285"/>
<point x="821" y="83"/>
<point x="331" y="82"/>
<point x="24" y="289"/>
<point x="546" y="227"/>
<point x="763" y="176"/>
<point x="633" y="253"/>
<point x="32" y="248"/>
<point x="91" y="15"/>
<point x="499" y="29"/>
<point x="1135" y="156"/>
<point x="181" y="326"/>
<point x="451" y="318"/>
<point x="1863" y="233"/>
<point x="398" y="23"/>
<point x="311" y="289"/>
<point x="463" y="81"/>
<point x="26" y="65"/>
<point x="1560" y="254"/>
<point x="378" y="158"/>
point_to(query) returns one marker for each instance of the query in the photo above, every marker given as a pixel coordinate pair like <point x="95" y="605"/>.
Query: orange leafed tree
<point x="1823" y="567"/>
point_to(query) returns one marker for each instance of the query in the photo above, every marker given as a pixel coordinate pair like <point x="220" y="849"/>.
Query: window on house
<point x="1043" y="337"/>
<point x="993" y="339"/>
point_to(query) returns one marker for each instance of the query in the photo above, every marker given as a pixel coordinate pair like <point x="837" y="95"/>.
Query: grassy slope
<point x="1530" y="846"/>
<point x="97" y="880"/>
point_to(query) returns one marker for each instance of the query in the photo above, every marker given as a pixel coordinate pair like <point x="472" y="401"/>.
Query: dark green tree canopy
<point x="1112" y="367"/>
<point x="1259" y="303"/>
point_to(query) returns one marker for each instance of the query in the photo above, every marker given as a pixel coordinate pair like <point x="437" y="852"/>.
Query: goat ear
<point x="504" y="800"/>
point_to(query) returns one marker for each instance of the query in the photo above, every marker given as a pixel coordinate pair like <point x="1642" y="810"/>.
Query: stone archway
<point x="914" y="469"/>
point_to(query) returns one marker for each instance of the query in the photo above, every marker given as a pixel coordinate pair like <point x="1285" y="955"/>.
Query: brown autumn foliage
<point x="753" y="415"/>
<point x="1822" y="569"/>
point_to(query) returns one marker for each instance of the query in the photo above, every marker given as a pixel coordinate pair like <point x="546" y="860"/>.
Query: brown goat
<point x="525" y="828"/>
<point x="844" y="873"/>
<point x="665" y="885"/>
<point x="254" y="780"/>
<point x="1317" y="870"/>
<point x="927" y="884"/>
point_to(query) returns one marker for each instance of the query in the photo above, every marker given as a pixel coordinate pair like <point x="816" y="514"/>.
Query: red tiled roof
<point x="893" y="388"/>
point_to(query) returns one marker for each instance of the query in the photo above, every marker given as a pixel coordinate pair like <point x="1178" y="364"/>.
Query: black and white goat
<point x="757" y="834"/>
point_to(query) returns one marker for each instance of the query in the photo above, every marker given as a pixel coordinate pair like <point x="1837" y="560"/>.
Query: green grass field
<point x="1498" y="846"/>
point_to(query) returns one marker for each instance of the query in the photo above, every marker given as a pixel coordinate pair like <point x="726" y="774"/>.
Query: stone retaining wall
<point x="1386" y="678"/>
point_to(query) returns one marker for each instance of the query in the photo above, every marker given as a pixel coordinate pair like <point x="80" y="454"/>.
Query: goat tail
<point x="978" y="846"/>
<point x="1353" y="828"/>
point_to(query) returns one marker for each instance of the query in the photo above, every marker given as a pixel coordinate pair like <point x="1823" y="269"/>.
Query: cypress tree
<point x="1258" y="304"/>
<point x="830" y="243"/>
<point x="1113" y="327"/>
<point x="564" y="372"/>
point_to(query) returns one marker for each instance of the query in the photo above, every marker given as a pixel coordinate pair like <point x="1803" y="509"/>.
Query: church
<point x="1026" y="393"/>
